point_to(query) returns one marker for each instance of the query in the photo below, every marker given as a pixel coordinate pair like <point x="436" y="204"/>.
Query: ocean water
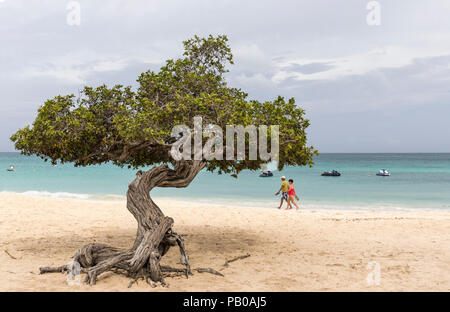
<point x="418" y="181"/>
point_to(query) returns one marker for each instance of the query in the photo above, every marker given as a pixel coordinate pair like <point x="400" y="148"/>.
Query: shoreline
<point x="107" y="198"/>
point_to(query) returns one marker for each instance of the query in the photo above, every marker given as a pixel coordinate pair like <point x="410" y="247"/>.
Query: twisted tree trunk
<point x="154" y="234"/>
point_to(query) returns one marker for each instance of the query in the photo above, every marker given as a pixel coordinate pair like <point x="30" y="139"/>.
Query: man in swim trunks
<point x="284" y="192"/>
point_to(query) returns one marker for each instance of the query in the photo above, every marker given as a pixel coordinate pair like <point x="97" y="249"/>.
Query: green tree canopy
<point x="133" y="127"/>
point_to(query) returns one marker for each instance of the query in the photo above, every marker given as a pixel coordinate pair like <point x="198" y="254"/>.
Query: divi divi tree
<point x="133" y="127"/>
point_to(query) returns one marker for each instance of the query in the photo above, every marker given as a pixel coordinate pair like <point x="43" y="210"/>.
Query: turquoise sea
<point x="418" y="181"/>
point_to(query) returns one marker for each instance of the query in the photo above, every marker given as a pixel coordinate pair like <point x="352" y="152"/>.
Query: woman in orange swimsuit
<point x="292" y="195"/>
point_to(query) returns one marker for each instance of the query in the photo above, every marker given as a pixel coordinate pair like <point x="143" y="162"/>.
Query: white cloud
<point x="72" y="69"/>
<point x="76" y="68"/>
<point x="254" y="80"/>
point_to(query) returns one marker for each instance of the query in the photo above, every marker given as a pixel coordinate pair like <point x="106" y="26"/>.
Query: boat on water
<point x="266" y="174"/>
<point x="11" y="168"/>
<point x="383" y="173"/>
<point x="332" y="173"/>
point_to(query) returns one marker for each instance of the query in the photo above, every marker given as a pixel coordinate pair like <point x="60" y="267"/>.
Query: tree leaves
<point x="131" y="127"/>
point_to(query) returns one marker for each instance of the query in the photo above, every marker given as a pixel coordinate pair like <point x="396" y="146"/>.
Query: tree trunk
<point x="154" y="234"/>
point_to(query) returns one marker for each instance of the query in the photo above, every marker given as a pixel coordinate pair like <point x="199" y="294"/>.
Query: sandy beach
<point x="312" y="250"/>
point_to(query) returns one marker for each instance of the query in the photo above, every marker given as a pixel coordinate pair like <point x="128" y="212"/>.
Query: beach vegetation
<point x="133" y="127"/>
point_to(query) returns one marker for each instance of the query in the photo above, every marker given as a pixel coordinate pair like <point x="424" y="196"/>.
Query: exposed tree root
<point x="208" y="270"/>
<point x="227" y="262"/>
<point x="166" y="268"/>
<point x="175" y="274"/>
<point x="60" y="269"/>
<point x="133" y="282"/>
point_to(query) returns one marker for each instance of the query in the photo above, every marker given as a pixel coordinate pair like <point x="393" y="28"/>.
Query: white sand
<point x="318" y="250"/>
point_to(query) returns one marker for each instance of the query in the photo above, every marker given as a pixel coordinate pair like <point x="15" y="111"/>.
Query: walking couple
<point x="287" y="193"/>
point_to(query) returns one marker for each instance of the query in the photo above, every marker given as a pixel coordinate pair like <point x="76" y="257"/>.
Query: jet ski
<point x="266" y="174"/>
<point x="332" y="173"/>
<point x="11" y="168"/>
<point x="383" y="173"/>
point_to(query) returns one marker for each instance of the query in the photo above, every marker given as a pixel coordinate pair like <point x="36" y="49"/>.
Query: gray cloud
<point x="383" y="88"/>
<point x="310" y="68"/>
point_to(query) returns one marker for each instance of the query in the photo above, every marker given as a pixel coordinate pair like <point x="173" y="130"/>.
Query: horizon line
<point x="18" y="152"/>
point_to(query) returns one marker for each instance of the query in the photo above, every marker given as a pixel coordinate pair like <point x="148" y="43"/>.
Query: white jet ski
<point x="383" y="173"/>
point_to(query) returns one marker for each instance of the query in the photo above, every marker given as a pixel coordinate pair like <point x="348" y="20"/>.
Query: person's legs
<point x="293" y="201"/>
<point x="281" y="202"/>
<point x="288" y="206"/>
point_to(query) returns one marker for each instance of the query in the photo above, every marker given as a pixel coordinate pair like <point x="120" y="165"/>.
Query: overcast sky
<point x="379" y="88"/>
